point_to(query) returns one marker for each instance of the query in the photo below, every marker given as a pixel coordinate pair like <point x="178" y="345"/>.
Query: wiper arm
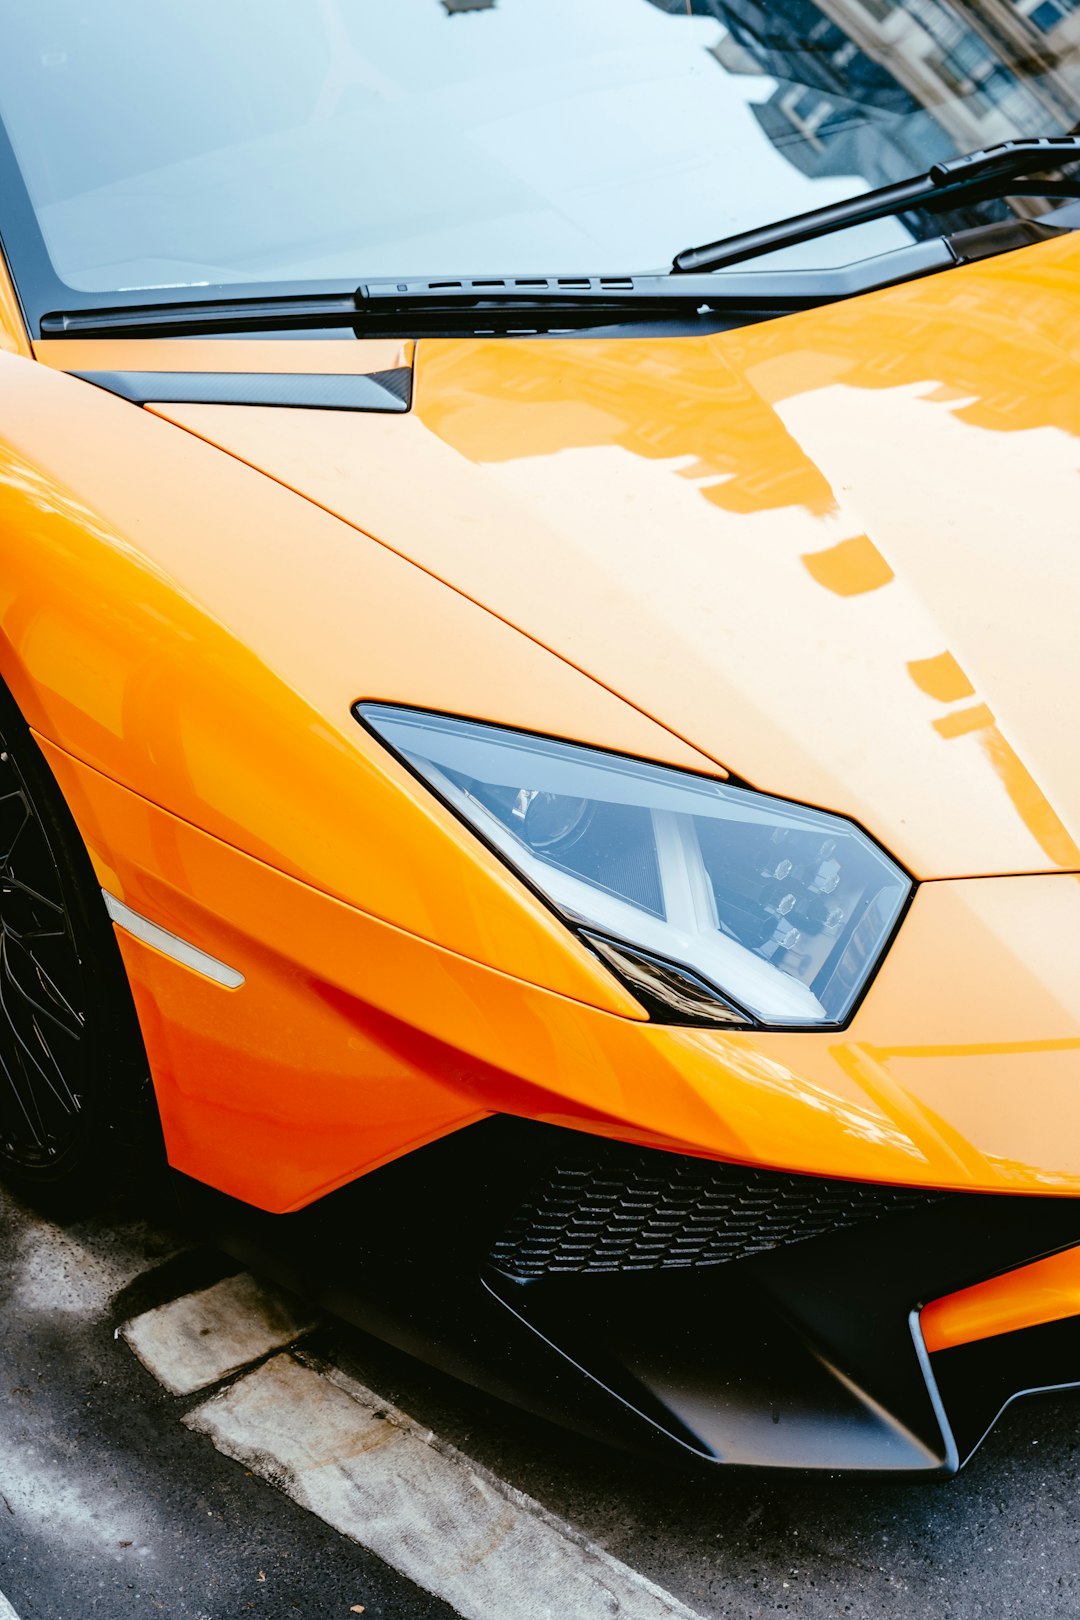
<point x="991" y="166"/>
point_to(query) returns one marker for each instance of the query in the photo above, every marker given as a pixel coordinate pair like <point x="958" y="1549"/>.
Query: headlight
<point x="715" y="904"/>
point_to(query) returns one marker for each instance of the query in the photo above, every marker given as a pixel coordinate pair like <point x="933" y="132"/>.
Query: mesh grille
<point x="650" y="1211"/>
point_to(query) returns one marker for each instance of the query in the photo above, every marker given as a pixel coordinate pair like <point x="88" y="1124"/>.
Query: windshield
<point x="171" y="143"/>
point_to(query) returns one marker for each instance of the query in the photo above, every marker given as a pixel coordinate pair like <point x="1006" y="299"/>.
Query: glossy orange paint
<point x="1046" y="1291"/>
<point x="149" y="545"/>
<point x="715" y="527"/>
<point x="655" y="546"/>
<point x="352" y="1041"/>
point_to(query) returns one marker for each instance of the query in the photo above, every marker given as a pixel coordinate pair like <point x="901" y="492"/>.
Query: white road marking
<point x="6" y="1611"/>
<point x="429" y="1512"/>
<point x="201" y="1338"/>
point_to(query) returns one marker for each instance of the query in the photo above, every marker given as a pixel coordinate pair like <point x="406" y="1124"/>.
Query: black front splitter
<point x="805" y="1356"/>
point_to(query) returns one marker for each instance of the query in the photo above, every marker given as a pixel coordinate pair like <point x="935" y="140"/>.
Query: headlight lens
<point x="717" y="905"/>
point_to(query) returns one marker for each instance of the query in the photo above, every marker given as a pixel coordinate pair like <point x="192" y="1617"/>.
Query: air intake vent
<point x="638" y="1210"/>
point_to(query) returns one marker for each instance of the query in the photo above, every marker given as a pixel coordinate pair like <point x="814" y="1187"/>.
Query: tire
<point x="77" y="1115"/>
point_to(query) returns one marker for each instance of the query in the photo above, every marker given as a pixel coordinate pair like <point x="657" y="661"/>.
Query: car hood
<point x="838" y="553"/>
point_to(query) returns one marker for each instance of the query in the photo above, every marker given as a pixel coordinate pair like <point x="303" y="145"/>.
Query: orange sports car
<point x="540" y="563"/>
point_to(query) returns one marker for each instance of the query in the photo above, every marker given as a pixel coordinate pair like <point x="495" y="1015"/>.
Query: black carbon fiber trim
<point x="651" y="1211"/>
<point x="397" y="382"/>
<point x="329" y="391"/>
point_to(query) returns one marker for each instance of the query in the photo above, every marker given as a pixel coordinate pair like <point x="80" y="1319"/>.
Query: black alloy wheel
<point x="76" y="1104"/>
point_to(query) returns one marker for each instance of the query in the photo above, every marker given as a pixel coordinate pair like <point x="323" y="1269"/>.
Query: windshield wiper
<point x="989" y="169"/>
<point x="412" y="307"/>
<point x="448" y="306"/>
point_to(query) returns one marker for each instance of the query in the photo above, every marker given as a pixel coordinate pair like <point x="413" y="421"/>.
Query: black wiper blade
<point x="990" y="167"/>
<point x="376" y="301"/>
<point x="191" y="316"/>
<point x="482" y="303"/>
<point x="501" y="303"/>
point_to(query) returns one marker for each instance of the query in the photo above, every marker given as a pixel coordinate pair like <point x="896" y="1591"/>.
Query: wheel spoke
<point x="35" y="1125"/>
<point x="62" y="1094"/>
<point x="25" y="819"/>
<point x="41" y="995"/>
<point x="72" y="1030"/>
<point x="9" y="881"/>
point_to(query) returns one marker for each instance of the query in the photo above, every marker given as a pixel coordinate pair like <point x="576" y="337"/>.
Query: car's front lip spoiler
<point x="807" y="1356"/>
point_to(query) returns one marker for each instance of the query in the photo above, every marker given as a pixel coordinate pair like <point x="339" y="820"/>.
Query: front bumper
<point x="679" y="1308"/>
<point x="952" y="1096"/>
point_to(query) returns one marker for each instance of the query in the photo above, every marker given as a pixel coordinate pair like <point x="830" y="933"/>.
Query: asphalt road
<point x="120" y="1499"/>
